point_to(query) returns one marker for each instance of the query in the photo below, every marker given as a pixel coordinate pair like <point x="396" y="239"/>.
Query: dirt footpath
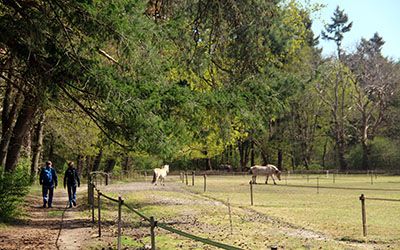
<point x="48" y="228"/>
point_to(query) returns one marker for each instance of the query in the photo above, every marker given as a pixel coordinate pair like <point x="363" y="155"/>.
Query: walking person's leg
<point x="69" y="188"/>
<point x="51" y="190"/>
<point x="74" y="195"/>
<point x="44" y="194"/>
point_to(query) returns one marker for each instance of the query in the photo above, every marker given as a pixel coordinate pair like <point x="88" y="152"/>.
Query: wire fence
<point x="153" y="223"/>
<point x="317" y="186"/>
<point x="363" y="209"/>
<point x="185" y="178"/>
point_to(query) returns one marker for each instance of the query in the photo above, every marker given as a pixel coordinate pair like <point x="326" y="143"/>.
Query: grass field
<point x="291" y="215"/>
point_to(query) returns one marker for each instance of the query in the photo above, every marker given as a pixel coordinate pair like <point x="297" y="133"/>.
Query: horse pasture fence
<point x="363" y="209"/>
<point x="153" y="223"/>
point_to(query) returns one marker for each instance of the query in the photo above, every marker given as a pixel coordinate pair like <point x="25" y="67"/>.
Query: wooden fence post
<point x="363" y="214"/>
<point x="89" y="188"/>
<point x="153" y="237"/>
<point x="193" y="174"/>
<point x="186" y="178"/>
<point x="205" y="182"/>
<point x="120" y="201"/>
<point x="92" y="199"/>
<point x="372" y="179"/>
<point x="106" y="179"/>
<point x="251" y="192"/>
<point x="99" y="213"/>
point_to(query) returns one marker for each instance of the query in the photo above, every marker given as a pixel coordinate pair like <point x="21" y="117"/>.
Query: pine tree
<point x="335" y="30"/>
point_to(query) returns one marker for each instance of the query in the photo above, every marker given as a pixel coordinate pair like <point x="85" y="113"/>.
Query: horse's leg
<point x="254" y="179"/>
<point x="272" y="176"/>
<point x="266" y="179"/>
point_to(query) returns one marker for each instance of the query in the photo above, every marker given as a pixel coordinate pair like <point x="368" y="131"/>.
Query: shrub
<point x="13" y="188"/>
<point x="383" y="155"/>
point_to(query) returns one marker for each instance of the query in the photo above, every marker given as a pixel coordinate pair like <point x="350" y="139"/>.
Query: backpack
<point x="47" y="176"/>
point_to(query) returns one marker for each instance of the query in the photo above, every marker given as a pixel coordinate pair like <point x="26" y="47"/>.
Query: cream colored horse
<point x="160" y="174"/>
<point x="269" y="170"/>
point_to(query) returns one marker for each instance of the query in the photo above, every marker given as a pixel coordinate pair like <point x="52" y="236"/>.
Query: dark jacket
<point x="71" y="177"/>
<point x="48" y="177"/>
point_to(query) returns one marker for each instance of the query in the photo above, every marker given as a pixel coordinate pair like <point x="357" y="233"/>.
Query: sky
<point x="368" y="17"/>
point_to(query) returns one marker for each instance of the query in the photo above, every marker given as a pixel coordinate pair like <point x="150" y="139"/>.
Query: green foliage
<point x="13" y="188"/>
<point x="384" y="155"/>
<point x="335" y="30"/>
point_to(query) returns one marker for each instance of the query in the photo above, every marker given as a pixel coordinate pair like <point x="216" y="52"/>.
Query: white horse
<point x="160" y="174"/>
<point x="269" y="170"/>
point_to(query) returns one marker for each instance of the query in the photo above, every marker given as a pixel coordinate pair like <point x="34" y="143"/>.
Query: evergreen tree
<point x="335" y="30"/>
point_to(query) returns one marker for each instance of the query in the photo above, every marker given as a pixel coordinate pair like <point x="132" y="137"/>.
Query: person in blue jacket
<point x="71" y="180"/>
<point x="48" y="180"/>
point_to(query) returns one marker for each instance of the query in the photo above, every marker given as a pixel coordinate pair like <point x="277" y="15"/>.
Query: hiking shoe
<point x="74" y="202"/>
<point x="50" y="206"/>
<point x="44" y="205"/>
<point x="70" y="206"/>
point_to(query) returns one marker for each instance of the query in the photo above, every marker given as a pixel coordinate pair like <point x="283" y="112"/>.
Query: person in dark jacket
<point x="48" y="180"/>
<point x="71" y="180"/>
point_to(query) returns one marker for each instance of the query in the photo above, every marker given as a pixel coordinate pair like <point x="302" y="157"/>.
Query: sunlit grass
<point x="282" y="216"/>
<point x="336" y="212"/>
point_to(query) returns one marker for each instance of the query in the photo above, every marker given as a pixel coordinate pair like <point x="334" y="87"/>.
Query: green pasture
<point x="294" y="214"/>
<point x="328" y="209"/>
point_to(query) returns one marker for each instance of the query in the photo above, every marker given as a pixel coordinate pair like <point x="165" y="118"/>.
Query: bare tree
<point x="376" y="79"/>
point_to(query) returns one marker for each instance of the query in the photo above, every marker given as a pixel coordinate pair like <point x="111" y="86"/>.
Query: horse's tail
<point x="154" y="177"/>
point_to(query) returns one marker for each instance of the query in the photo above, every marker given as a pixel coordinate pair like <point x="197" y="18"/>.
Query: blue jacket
<point x="48" y="177"/>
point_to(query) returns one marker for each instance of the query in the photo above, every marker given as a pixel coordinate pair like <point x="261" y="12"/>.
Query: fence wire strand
<point x="197" y="238"/>
<point x="174" y="230"/>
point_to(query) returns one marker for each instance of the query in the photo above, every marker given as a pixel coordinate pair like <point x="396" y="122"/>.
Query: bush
<point x="13" y="188"/>
<point x="383" y="155"/>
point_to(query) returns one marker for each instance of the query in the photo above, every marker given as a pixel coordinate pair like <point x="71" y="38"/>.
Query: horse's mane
<point x="166" y="167"/>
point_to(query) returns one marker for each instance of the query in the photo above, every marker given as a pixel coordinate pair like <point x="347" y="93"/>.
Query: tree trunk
<point x="324" y="153"/>
<point x="97" y="160"/>
<point x="51" y="147"/>
<point x="244" y="151"/>
<point x="341" y="154"/>
<point x="9" y="115"/>
<point x="88" y="166"/>
<point x="293" y="160"/>
<point x="26" y="150"/>
<point x="110" y="165"/>
<point x="241" y="155"/>
<point x="365" y="155"/>
<point x="209" y="164"/>
<point x="252" y="154"/>
<point x="280" y="159"/>
<point x="264" y="157"/>
<point x="126" y="165"/>
<point x="37" y="146"/>
<point x="79" y="163"/>
<point x="22" y="126"/>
